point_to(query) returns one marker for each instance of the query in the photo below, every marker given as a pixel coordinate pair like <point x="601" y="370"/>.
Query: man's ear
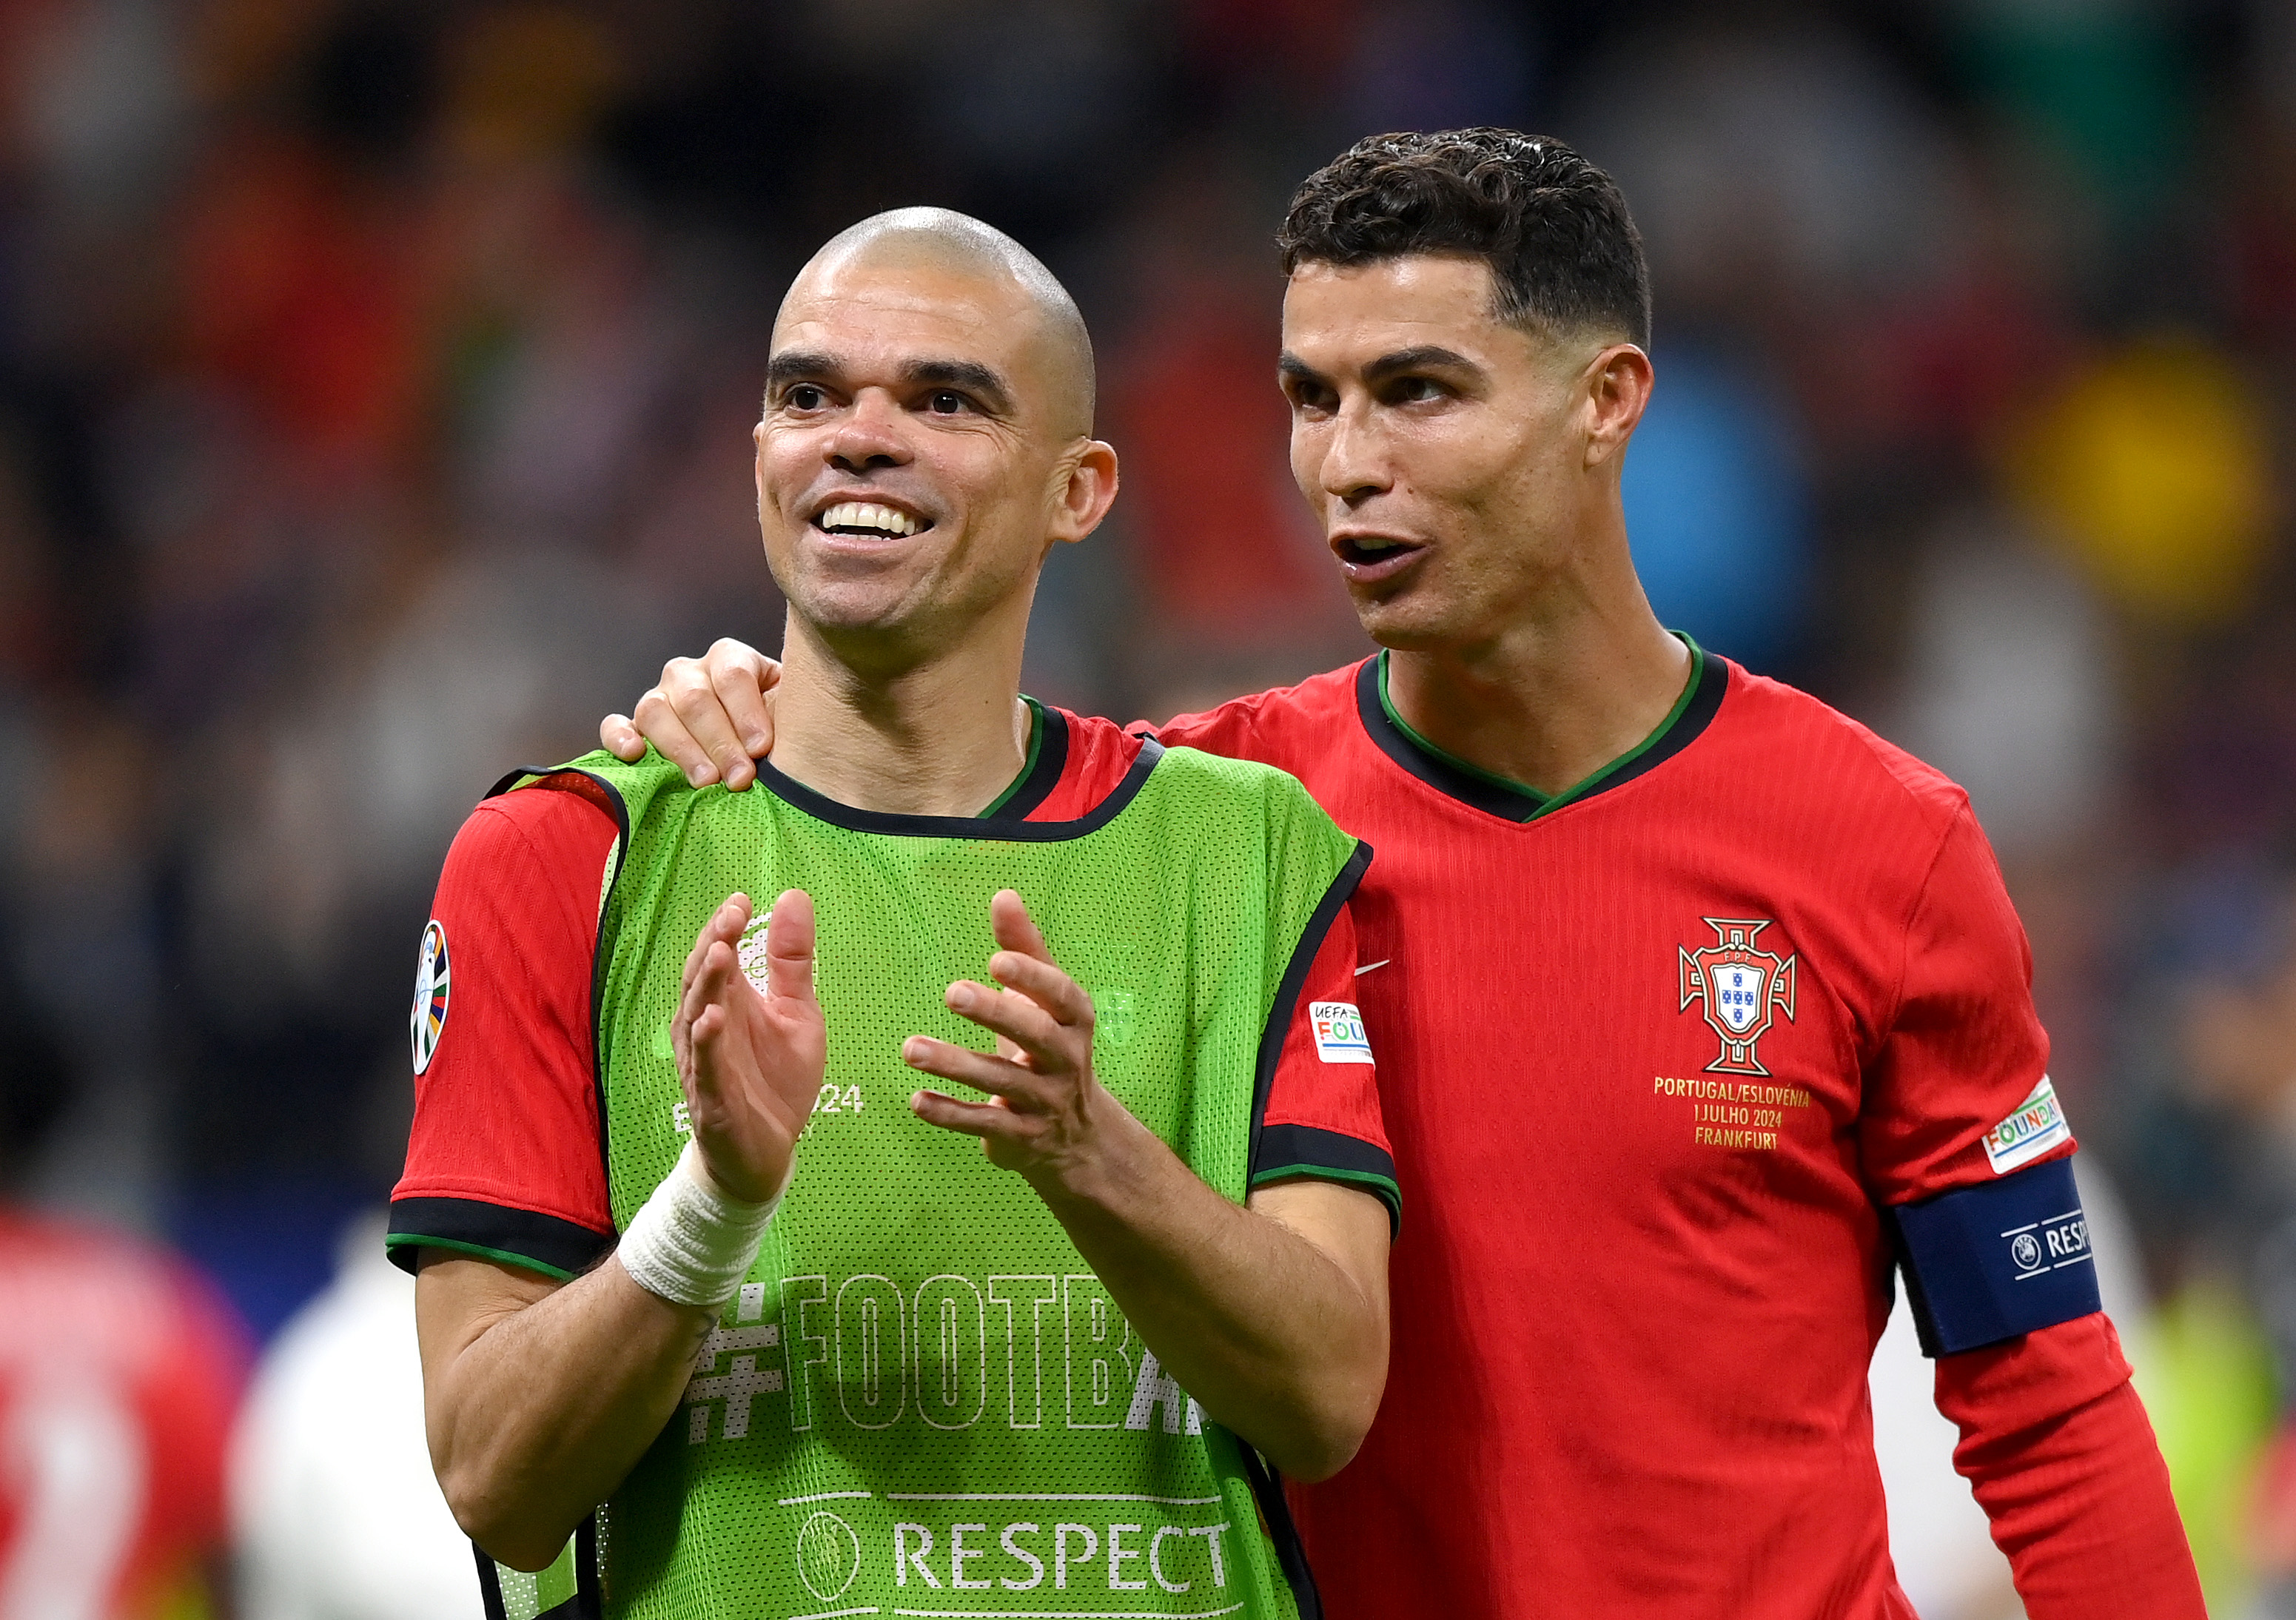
<point x="1618" y="391"/>
<point x="1084" y="499"/>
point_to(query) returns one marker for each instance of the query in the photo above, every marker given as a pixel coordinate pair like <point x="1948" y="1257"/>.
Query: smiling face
<point x="919" y="451"/>
<point x="1462" y="468"/>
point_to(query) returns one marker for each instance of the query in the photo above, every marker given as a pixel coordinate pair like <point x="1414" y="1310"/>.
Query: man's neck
<point x="1552" y="701"/>
<point x="940" y="738"/>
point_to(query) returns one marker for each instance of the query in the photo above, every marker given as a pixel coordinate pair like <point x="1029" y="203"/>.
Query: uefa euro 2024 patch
<point x="1340" y="1036"/>
<point x="2038" y="1125"/>
<point x="429" y="1020"/>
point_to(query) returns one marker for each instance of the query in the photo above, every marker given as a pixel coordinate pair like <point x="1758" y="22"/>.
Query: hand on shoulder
<point x="711" y="716"/>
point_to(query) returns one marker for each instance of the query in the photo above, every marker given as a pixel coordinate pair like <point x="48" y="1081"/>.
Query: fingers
<point x="711" y="718"/>
<point x="714" y="977"/>
<point x="966" y="1118"/>
<point x="1041" y="980"/>
<point x="789" y="948"/>
<point x="686" y="682"/>
<point x="1018" y="1019"/>
<point x="621" y="739"/>
<point x="977" y="1070"/>
<point x="1026" y="964"/>
<point x="744" y="678"/>
<point x="725" y="925"/>
<point x="658" y="719"/>
<point x="707" y="1017"/>
<point x="1013" y="929"/>
<point x="723" y="931"/>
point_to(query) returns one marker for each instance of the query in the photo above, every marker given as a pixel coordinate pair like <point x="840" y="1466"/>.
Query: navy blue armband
<point x="1988" y="1262"/>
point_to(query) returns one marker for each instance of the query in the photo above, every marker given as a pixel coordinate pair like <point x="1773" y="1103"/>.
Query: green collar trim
<point x="1532" y="804"/>
<point x="1028" y="766"/>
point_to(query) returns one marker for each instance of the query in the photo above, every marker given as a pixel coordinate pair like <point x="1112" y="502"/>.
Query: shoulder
<point x="1806" y="749"/>
<point x="553" y="821"/>
<point x="615" y="788"/>
<point x="1287" y="727"/>
<point x="1096" y="734"/>
<point x="1227" y="776"/>
<point x="1246" y="790"/>
<point x="1099" y="754"/>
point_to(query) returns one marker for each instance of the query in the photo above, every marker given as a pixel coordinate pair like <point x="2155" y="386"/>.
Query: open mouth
<point x="871" y="520"/>
<point x="1373" y="556"/>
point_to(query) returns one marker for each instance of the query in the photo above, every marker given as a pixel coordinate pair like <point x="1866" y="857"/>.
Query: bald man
<point x="1040" y="1335"/>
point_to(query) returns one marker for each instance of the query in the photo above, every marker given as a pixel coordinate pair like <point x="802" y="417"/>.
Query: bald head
<point x="952" y="245"/>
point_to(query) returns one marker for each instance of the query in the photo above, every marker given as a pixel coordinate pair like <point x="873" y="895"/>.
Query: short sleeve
<point x="1957" y="1094"/>
<point x="505" y="1159"/>
<point x="1321" y="1117"/>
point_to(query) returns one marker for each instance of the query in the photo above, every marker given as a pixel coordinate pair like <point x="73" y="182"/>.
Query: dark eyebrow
<point x="804" y="366"/>
<point x="1426" y="357"/>
<point x="792" y="365"/>
<point x="967" y="374"/>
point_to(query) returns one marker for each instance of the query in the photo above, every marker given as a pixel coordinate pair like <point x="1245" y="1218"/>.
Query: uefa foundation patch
<point x="2037" y="1126"/>
<point x="1340" y="1036"/>
<point x="429" y="1018"/>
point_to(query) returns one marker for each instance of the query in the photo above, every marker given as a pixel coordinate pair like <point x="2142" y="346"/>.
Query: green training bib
<point x="921" y="1401"/>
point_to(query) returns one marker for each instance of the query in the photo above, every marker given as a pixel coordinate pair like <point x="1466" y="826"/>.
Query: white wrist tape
<point x="689" y="1242"/>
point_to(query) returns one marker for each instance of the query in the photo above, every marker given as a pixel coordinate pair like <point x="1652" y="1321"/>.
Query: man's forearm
<point x="1269" y="1334"/>
<point x="540" y="1400"/>
<point x="2057" y="1448"/>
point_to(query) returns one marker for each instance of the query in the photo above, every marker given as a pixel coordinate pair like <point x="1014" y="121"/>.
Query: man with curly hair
<point x="1702" y="1011"/>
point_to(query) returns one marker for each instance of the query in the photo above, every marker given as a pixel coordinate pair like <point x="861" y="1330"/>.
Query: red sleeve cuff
<point x="2060" y="1455"/>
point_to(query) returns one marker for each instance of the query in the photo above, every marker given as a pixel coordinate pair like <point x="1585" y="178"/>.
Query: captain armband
<point x="689" y="1242"/>
<point x="1987" y="1263"/>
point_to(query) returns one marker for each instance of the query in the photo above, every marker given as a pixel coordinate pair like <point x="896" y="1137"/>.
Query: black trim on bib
<point x="1000" y="828"/>
<point x="1496" y="797"/>
<point x="1295" y="978"/>
<point x="1284" y="1151"/>
<point x="1291" y="1552"/>
<point x="1987" y="1263"/>
<point x="558" y="1248"/>
<point x="588" y="1601"/>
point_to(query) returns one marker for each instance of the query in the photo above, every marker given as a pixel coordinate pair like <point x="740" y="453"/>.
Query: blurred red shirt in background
<point x="119" y="1374"/>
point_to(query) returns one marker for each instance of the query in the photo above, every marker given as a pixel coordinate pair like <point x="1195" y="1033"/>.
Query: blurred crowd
<point x="375" y="382"/>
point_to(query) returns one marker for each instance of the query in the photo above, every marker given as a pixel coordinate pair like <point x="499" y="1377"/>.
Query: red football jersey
<point x="1654" y="1054"/>
<point x="120" y="1373"/>
<point x="505" y="1159"/>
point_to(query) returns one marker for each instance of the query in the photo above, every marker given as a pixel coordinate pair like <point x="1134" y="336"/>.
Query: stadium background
<point x="374" y="389"/>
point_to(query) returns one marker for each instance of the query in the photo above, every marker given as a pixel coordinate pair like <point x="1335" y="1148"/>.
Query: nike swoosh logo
<point x="1367" y="967"/>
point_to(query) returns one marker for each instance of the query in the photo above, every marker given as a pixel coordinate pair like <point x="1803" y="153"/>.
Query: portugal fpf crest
<point x="1744" y="987"/>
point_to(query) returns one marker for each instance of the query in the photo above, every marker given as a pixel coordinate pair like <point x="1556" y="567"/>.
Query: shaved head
<point x="953" y="244"/>
<point x="926" y="440"/>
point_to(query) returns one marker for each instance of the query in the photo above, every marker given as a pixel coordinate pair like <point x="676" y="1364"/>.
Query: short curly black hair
<point x="1563" y="251"/>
